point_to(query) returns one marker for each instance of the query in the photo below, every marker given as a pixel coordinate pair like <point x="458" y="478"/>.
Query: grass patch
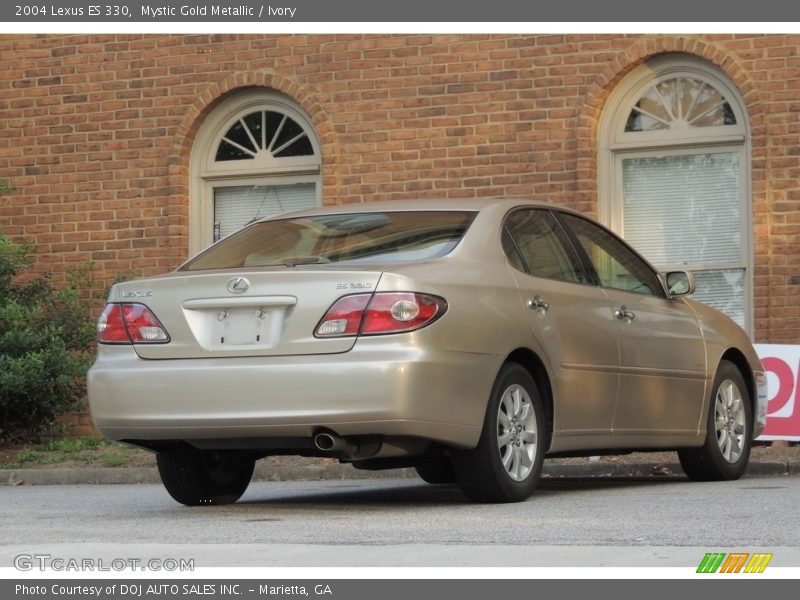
<point x="75" y="452"/>
<point x="69" y="445"/>
<point x="113" y="460"/>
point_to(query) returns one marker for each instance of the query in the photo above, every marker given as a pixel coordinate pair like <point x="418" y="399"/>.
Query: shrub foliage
<point x="46" y="334"/>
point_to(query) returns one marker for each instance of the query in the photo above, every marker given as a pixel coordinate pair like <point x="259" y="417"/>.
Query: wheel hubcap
<point x="729" y="419"/>
<point x="516" y="432"/>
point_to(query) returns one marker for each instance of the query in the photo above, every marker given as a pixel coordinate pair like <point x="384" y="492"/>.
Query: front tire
<point x="202" y="477"/>
<point x="506" y="464"/>
<point x="729" y="429"/>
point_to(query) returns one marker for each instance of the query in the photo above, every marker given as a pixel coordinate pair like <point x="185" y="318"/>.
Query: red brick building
<point x="133" y="151"/>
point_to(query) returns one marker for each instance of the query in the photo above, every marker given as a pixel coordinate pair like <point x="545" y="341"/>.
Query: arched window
<point x="674" y="166"/>
<point x="255" y="155"/>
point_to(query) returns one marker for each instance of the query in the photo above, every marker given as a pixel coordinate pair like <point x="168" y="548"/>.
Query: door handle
<point x="623" y="314"/>
<point x="538" y="304"/>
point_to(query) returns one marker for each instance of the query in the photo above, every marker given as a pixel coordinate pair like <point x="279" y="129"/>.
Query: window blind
<point x="723" y="290"/>
<point x="236" y="206"/>
<point x="683" y="209"/>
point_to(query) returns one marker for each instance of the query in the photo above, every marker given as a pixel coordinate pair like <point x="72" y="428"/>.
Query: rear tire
<point x="506" y="464"/>
<point x="202" y="477"/>
<point x="435" y="470"/>
<point x="729" y="430"/>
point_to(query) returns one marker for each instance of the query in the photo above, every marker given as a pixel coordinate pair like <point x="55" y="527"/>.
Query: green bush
<point x="45" y="345"/>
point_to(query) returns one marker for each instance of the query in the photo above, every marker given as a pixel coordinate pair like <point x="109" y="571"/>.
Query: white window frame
<point x="615" y="145"/>
<point x="207" y="173"/>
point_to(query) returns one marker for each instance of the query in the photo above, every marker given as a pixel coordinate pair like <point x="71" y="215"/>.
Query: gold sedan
<point x="469" y="339"/>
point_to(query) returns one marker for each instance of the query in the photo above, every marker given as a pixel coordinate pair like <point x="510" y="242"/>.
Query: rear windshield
<point x="353" y="238"/>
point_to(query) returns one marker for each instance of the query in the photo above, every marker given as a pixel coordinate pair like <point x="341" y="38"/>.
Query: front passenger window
<point x="617" y="266"/>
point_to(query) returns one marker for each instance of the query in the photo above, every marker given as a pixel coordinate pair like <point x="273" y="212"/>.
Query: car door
<point x="569" y="318"/>
<point x="662" y="352"/>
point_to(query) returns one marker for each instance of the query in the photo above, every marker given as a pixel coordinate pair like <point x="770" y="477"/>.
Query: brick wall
<point x="96" y="131"/>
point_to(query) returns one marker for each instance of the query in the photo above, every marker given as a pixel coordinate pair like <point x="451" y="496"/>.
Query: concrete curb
<point x="122" y="475"/>
<point x="610" y="469"/>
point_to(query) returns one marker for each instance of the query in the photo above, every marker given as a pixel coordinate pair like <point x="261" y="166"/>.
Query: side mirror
<point x="679" y="283"/>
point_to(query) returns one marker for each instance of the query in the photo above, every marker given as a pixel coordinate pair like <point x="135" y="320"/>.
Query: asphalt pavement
<point x="664" y="522"/>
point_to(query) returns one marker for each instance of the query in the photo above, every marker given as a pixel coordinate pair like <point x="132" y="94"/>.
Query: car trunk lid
<point x="264" y="312"/>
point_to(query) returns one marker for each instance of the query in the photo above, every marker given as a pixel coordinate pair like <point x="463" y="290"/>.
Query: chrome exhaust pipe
<point x="356" y="448"/>
<point x="324" y="442"/>
<point x="330" y="442"/>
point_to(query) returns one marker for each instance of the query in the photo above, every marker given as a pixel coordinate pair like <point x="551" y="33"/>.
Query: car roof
<point x="434" y="204"/>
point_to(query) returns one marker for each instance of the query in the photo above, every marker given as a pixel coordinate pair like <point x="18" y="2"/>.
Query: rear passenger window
<point x="539" y="247"/>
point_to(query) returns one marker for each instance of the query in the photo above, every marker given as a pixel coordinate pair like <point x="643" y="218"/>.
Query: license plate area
<point x="241" y="327"/>
<point x="238" y="324"/>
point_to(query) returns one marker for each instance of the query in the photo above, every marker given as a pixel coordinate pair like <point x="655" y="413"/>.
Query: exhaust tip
<point x="324" y="442"/>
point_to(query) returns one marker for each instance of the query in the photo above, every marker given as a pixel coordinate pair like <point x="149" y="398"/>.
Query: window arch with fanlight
<point x="674" y="176"/>
<point x="256" y="155"/>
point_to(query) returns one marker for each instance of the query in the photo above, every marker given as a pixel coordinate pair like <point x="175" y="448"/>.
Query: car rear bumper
<point x="375" y="389"/>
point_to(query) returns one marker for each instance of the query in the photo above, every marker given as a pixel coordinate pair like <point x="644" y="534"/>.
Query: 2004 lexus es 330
<point x="467" y="339"/>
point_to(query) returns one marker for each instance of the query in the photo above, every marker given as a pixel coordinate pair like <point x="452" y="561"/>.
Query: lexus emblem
<point x="238" y="285"/>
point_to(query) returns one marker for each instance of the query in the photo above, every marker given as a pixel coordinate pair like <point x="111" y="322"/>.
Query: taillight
<point x="395" y="313"/>
<point x="380" y="313"/>
<point x="344" y="317"/>
<point x="130" y="323"/>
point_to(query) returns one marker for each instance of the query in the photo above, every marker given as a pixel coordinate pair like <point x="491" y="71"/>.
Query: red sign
<point x="782" y="364"/>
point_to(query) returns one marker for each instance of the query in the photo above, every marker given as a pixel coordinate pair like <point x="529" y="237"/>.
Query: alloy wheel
<point x="729" y="420"/>
<point x="516" y="432"/>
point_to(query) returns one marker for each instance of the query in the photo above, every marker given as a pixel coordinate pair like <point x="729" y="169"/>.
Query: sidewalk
<point x="333" y="471"/>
